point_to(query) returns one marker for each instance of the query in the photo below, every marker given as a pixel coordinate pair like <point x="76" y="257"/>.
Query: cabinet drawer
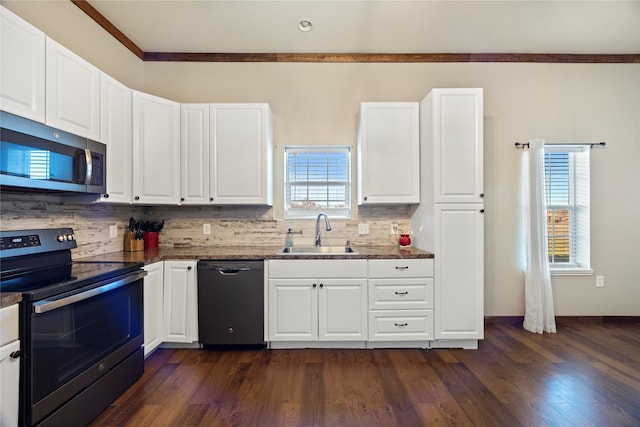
<point x="401" y="268"/>
<point x="316" y="268"/>
<point x="385" y="294"/>
<point x="400" y="325"/>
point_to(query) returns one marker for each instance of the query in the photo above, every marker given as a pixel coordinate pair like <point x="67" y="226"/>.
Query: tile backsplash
<point x="183" y="227"/>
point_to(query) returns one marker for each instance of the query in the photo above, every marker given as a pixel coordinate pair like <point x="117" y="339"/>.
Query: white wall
<point x="317" y="104"/>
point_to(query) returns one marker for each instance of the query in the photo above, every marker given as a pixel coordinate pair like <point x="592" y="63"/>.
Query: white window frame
<point x="307" y="213"/>
<point x="578" y="206"/>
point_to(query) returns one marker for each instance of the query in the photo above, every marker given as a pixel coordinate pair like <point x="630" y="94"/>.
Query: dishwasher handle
<point x="230" y="271"/>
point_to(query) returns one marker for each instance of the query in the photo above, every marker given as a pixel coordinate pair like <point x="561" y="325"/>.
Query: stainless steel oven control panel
<point x="28" y="242"/>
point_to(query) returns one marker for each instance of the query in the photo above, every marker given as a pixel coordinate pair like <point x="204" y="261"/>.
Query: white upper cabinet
<point x="457" y="145"/>
<point x="156" y="150"/>
<point x="241" y="154"/>
<point x="22" y="58"/>
<point x="194" y="154"/>
<point x="388" y="153"/>
<point x="72" y="92"/>
<point x="116" y="133"/>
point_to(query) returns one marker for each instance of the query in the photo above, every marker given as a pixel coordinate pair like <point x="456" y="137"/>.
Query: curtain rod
<point x="591" y="144"/>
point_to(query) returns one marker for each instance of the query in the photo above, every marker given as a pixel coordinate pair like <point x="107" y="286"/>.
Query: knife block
<point x="131" y="244"/>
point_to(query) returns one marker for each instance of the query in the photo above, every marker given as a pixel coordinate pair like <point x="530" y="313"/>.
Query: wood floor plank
<point x="586" y="374"/>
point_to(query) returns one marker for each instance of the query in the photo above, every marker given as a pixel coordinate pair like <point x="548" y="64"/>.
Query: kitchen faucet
<point x="327" y="226"/>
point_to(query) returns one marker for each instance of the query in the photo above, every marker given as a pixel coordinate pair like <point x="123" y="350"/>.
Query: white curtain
<point x="539" y="314"/>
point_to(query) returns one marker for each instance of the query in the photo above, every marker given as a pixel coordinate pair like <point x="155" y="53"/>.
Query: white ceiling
<point x="378" y="26"/>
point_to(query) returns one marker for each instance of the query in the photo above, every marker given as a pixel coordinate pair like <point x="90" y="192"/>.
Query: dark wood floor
<point x="588" y="374"/>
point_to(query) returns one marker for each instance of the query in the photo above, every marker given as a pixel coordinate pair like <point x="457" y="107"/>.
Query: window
<point x="567" y="200"/>
<point x="317" y="179"/>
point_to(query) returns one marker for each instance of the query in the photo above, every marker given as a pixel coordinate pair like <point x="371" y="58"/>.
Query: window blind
<point x="317" y="180"/>
<point x="568" y="205"/>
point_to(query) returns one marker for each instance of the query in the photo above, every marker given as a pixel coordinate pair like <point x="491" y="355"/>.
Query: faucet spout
<point x="327" y="227"/>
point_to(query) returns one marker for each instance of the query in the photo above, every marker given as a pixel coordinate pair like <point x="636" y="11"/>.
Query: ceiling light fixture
<point x="305" y="25"/>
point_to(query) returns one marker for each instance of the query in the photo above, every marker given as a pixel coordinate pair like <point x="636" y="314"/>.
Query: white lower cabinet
<point x="9" y="365"/>
<point x="401" y="308"/>
<point x="180" y="302"/>
<point x="317" y="300"/>
<point x="153" y="306"/>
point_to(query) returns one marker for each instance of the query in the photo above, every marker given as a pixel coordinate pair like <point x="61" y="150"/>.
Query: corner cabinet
<point x="180" y="302"/>
<point x="22" y="71"/>
<point x="450" y="218"/>
<point x="241" y="154"/>
<point x="115" y="133"/>
<point x="153" y="306"/>
<point x="317" y="300"/>
<point x="156" y="150"/>
<point x="72" y="92"/>
<point x="388" y="153"/>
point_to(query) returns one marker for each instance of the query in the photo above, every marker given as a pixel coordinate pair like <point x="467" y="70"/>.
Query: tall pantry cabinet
<point x="449" y="221"/>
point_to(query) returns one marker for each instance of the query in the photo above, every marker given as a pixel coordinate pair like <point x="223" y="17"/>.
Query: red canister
<point x="405" y="240"/>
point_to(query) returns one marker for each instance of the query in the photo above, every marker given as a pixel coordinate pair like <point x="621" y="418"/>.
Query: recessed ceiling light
<point x="305" y="25"/>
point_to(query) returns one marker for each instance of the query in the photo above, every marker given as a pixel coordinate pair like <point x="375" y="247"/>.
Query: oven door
<point x="76" y="338"/>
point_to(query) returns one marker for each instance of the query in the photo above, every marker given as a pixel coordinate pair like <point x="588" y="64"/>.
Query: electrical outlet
<point x="599" y="281"/>
<point x="206" y="228"/>
<point x="113" y="231"/>
<point x="394" y="228"/>
<point x="363" y="229"/>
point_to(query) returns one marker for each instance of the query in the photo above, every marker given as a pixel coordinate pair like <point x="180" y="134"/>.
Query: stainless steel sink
<point x="319" y="250"/>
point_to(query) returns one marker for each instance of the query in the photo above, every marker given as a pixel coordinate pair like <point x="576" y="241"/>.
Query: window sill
<point x="571" y="272"/>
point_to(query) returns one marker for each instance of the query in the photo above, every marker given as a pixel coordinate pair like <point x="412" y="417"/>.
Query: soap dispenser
<point x="289" y="241"/>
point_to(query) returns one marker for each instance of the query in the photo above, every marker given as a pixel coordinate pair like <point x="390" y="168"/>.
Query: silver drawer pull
<point x="401" y="324"/>
<point x="402" y="293"/>
<point x="406" y="267"/>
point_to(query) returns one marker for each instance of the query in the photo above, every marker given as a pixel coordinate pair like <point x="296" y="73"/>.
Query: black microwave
<point x="36" y="157"/>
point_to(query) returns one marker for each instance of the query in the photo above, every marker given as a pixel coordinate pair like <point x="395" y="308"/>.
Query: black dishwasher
<point x="231" y="303"/>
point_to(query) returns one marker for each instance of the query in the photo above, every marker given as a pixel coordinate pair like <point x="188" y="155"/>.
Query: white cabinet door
<point x="293" y="310"/>
<point x="156" y="150"/>
<point x="9" y="366"/>
<point x="116" y="133"/>
<point x="388" y="153"/>
<point x="457" y="145"/>
<point x="72" y="92"/>
<point x="194" y="154"/>
<point x="241" y="154"/>
<point x="459" y="271"/>
<point x="303" y="307"/>
<point x="153" y="306"/>
<point x="10" y="384"/>
<point x="342" y="309"/>
<point x="180" y="302"/>
<point x="22" y="67"/>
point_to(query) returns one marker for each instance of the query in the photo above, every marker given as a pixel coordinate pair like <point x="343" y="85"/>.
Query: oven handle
<point x="48" y="305"/>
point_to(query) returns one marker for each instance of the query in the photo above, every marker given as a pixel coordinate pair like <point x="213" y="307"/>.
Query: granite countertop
<point x="235" y="253"/>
